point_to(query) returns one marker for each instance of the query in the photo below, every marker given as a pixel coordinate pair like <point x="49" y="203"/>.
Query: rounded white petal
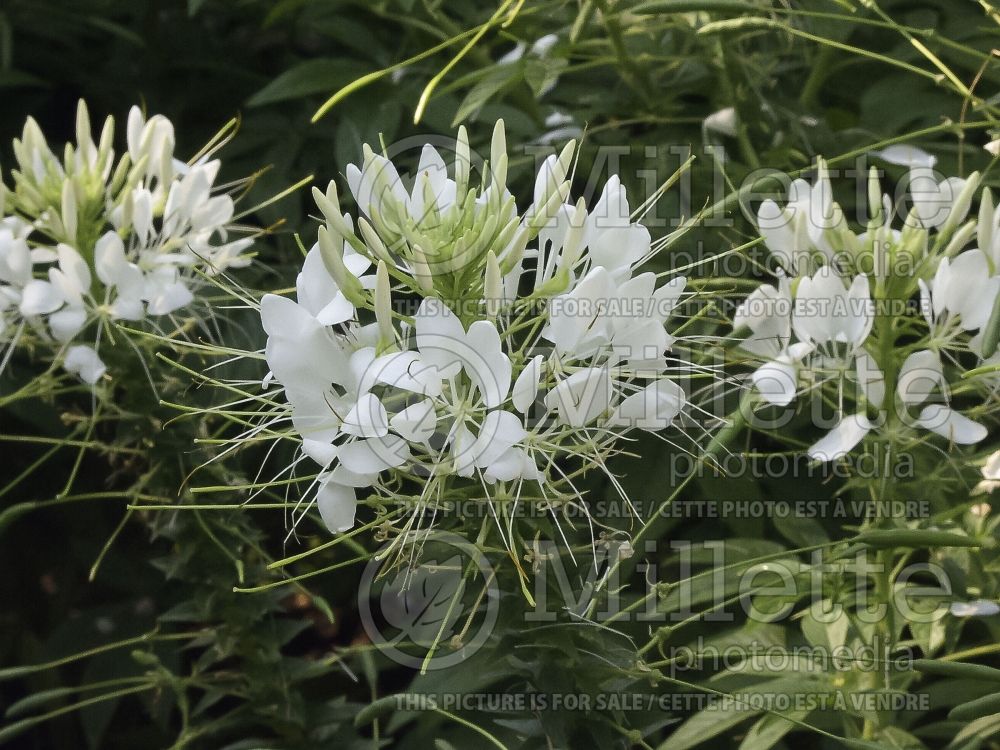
<point x="337" y="505"/>
<point x="416" y="422"/>
<point x="919" y="376"/>
<point x="948" y="423"/>
<point x="582" y="397"/>
<point x="367" y="418"/>
<point x="84" y="361"/>
<point x="842" y="439"/>
<point x="39" y="298"/>
<point x="776" y="382"/>
<point x="526" y="386"/>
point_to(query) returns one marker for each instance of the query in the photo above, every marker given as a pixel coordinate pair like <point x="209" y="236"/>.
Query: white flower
<point x="991" y="475"/>
<point x="961" y="293"/>
<point x="83" y="361"/>
<point x="975" y="608"/>
<point x="460" y="392"/>
<point x="828" y="312"/>
<point x="724" y="121"/>
<point x="127" y="240"/>
<point x="797" y="232"/>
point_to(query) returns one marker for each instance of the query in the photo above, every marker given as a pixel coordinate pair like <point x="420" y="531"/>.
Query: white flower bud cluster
<point x="445" y="339"/>
<point x="88" y="239"/>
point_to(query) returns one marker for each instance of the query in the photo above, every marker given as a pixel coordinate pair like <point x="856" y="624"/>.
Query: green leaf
<point x="769" y="730"/>
<point x="308" y="78"/>
<point x="486" y="89"/>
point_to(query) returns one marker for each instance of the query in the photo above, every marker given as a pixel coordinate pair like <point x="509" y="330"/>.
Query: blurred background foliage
<point x="640" y="77"/>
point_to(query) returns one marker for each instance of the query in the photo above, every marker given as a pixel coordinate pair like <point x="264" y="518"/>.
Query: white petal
<point x="500" y="430"/>
<point x="946" y="422"/>
<point x="373" y="455"/>
<point x="319" y="451"/>
<point x="367" y="418"/>
<point x="653" y="408"/>
<point x="83" y="361"/>
<point x="416" y="422"/>
<point x="39" y="298"/>
<point x="281" y="316"/>
<point x="526" y="386"/>
<point x="486" y="364"/>
<point x="904" y="155"/>
<point x="977" y="608"/>
<point x="582" y="397"/>
<point x="337" y="505"/>
<point x="440" y="336"/>
<point x="776" y="382"/>
<point x="919" y="376"/>
<point x="72" y="264"/>
<point x="68" y="322"/>
<point x="870" y="378"/>
<point x="109" y="258"/>
<point x="842" y="439"/>
<point x="404" y="370"/>
<point x="170" y="298"/>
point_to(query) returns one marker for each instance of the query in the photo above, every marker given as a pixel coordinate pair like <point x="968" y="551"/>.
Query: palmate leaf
<point x="419" y="604"/>
<point x="712" y="722"/>
<point x="768" y="730"/>
<point x="308" y="78"/>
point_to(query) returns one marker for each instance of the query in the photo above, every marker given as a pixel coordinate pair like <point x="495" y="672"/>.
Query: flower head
<point x="92" y="239"/>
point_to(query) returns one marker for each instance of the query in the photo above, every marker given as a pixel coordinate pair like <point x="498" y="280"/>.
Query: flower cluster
<point x="445" y="336"/>
<point x="899" y="313"/>
<point x="88" y="240"/>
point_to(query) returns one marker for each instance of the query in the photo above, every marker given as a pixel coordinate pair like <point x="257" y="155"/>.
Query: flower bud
<point x="332" y="251"/>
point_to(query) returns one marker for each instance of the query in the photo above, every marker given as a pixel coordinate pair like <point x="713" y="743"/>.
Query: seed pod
<point x="915" y="538"/>
<point x="985" y="706"/>
<point x="957" y="669"/>
<point x="693" y="6"/>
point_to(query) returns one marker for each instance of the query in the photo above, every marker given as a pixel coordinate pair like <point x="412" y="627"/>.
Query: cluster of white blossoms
<point x="900" y="314"/>
<point x="446" y="337"/>
<point x="87" y="240"/>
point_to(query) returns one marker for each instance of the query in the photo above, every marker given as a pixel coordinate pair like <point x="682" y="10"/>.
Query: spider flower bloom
<point x="838" y="320"/>
<point x="90" y="239"/>
<point x="445" y="339"/>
